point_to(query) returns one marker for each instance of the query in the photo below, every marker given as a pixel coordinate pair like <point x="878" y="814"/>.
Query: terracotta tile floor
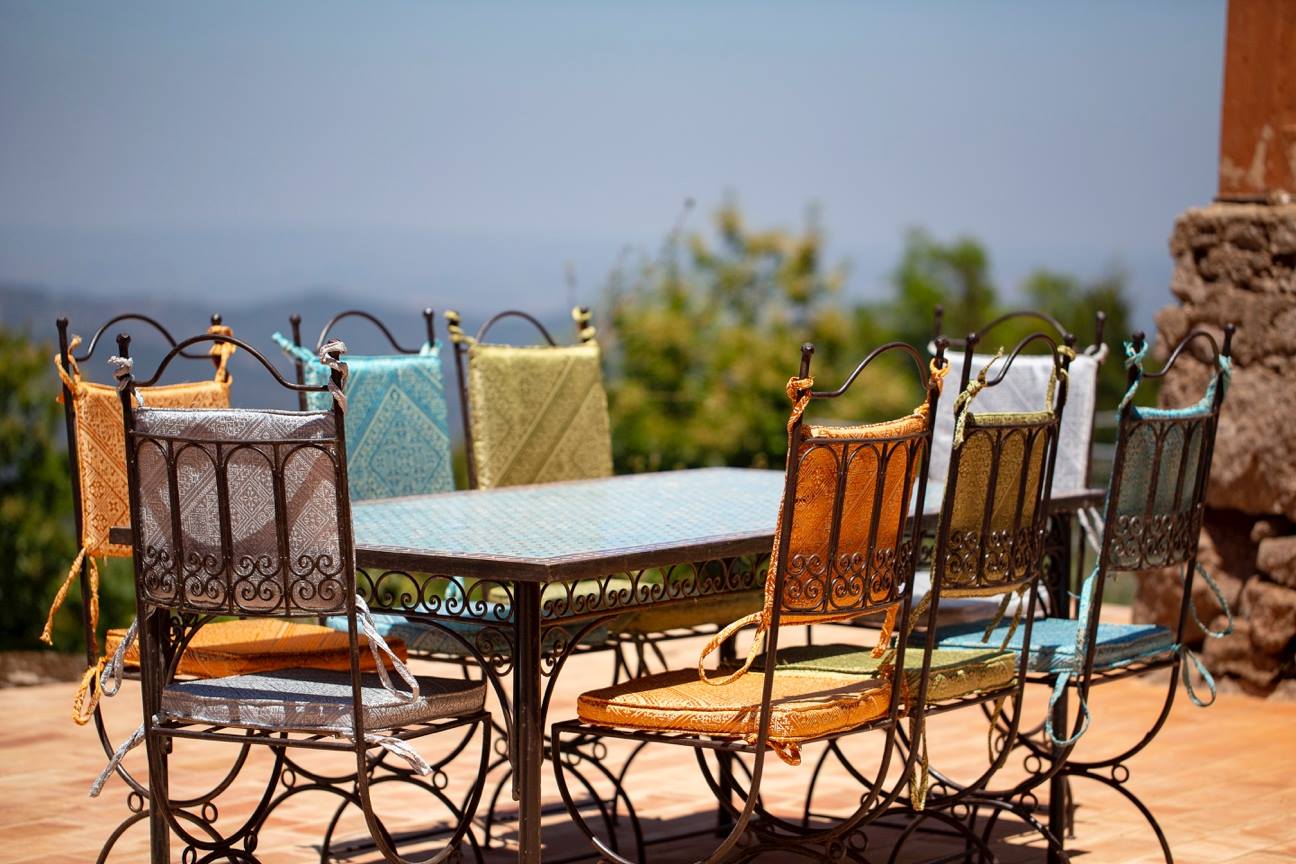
<point x="1222" y="781"/>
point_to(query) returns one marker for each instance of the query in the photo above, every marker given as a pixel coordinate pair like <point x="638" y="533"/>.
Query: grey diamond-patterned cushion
<point x="315" y="700"/>
<point x="246" y="574"/>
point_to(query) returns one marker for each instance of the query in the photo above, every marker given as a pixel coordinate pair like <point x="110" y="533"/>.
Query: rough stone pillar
<point x="1235" y="260"/>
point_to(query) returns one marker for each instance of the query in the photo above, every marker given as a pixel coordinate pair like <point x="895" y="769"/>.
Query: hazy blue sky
<point x="464" y="152"/>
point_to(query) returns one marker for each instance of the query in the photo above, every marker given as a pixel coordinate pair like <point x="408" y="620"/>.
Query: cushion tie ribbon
<point x="379" y="648"/>
<point x="581" y="315"/>
<point x="123" y="367"/>
<point x="1133" y="360"/>
<point x="964" y="400"/>
<point x="454" y="325"/>
<point x="330" y="355"/>
<point x="798" y="390"/>
<point x="221" y="351"/>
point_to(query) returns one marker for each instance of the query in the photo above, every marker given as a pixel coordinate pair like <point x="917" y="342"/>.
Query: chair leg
<point x="159" y="830"/>
<point x="1057" y="805"/>
<point x="724" y="822"/>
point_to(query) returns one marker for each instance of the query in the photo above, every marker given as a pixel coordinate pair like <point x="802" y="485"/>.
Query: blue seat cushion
<point x="1053" y="642"/>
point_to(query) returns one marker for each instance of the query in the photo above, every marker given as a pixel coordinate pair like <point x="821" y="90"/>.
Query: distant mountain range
<point x="34" y="310"/>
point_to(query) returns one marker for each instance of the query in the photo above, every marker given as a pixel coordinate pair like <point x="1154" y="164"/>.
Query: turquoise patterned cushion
<point x="398" y="436"/>
<point x="1053" y="642"/>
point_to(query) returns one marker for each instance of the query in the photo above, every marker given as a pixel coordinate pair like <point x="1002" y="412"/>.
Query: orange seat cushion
<point x="253" y="645"/>
<point x="804" y="706"/>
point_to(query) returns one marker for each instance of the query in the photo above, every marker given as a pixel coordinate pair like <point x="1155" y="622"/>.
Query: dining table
<point x="526" y="562"/>
<point x="521" y="576"/>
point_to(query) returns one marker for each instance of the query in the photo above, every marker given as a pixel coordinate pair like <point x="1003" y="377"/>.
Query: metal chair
<point x="1151" y="519"/>
<point x="1022" y="392"/>
<point x="845" y="547"/>
<point x="97" y="467"/>
<point x="247" y="513"/>
<point x="990" y="544"/>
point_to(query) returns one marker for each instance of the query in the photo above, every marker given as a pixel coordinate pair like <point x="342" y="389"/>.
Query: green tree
<point x="953" y="275"/>
<point x="956" y="275"/>
<point x="1075" y="305"/>
<point x="36" y="535"/>
<point x="705" y="335"/>
<point x="704" y="338"/>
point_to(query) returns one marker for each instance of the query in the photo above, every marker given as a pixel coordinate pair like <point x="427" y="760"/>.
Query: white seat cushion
<point x="315" y="700"/>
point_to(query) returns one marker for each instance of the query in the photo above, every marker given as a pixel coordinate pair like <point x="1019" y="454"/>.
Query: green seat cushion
<point x="717" y="609"/>
<point x="954" y="672"/>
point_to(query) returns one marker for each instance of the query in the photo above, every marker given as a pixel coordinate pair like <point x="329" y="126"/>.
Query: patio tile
<point x="1219" y="779"/>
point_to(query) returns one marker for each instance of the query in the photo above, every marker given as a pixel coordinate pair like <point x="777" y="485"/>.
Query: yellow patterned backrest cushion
<point x="827" y="581"/>
<point x="1008" y="542"/>
<point x="537" y="414"/>
<point x="101" y="450"/>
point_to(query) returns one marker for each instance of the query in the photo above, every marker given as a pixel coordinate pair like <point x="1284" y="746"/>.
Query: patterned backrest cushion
<point x="1023" y="389"/>
<point x="101" y="450"/>
<point x="398" y="435"/>
<point x="995" y="537"/>
<point x="846" y="550"/>
<point x="537" y="414"/>
<point x="229" y="480"/>
<point x="1158" y="505"/>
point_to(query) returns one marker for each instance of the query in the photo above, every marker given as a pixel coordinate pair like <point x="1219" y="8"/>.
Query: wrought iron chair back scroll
<point x="240" y="512"/>
<point x="95" y="458"/>
<point x="1000" y="475"/>
<point x="847" y="506"/>
<point x="247" y="513"/>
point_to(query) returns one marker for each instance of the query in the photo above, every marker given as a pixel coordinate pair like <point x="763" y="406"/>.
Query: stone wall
<point x="1237" y="262"/>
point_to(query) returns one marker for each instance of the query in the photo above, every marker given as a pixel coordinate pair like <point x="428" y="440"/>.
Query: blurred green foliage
<point x="705" y="334"/>
<point x="37" y="542"/>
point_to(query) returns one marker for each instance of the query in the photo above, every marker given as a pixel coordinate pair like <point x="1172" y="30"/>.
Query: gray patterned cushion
<point x="315" y="700"/>
<point x="196" y="568"/>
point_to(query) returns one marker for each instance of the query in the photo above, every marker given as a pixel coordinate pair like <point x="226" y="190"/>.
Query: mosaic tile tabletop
<point x="549" y="524"/>
<point x="559" y="526"/>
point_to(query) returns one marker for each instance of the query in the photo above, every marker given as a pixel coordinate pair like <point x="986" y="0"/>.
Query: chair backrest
<point x="92" y="411"/>
<point x="398" y="431"/>
<point x="991" y="536"/>
<point x="1158" y="487"/>
<point x="1024" y="391"/>
<point x="844" y="546"/>
<point x="532" y="414"/>
<point x="97" y="455"/>
<point x="237" y="511"/>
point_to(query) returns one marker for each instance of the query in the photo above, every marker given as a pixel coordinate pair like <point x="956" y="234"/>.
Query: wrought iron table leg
<point x="1060" y="600"/>
<point x="724" y="822"/>
<point x="1057" y="806"/>
<point x="527" y="745"/>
